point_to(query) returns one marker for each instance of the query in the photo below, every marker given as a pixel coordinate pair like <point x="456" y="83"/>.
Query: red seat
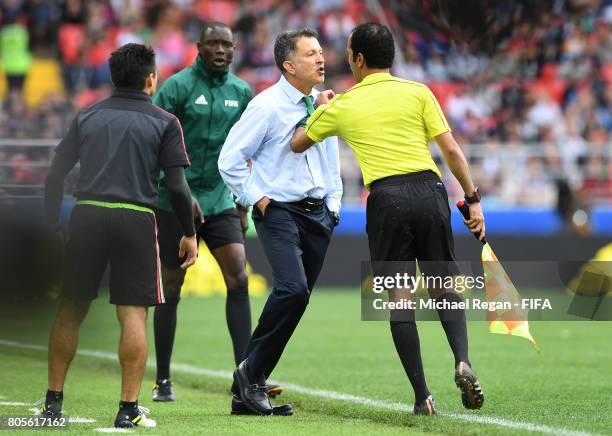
<point x="549" y="71"/>
<point x="71" y="38"/>
<point x="443" y="90"/>
<point x="554" y="88"/>
<point x="606" y="71"/>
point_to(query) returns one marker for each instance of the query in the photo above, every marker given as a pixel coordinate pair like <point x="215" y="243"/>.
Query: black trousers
<point x="295" y="241"/>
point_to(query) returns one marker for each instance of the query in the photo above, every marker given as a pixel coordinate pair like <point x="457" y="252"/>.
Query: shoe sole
<point x="252" y="408"/>
<point x="471" y="392"/>
<point x="276" y="411"/>
<point x="164" y="399"/>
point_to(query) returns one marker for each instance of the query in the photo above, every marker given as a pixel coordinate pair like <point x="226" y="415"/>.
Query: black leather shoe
<point x="238" y="408"/>
<point x="253" y="395"/>
<point x="272" y="390"/>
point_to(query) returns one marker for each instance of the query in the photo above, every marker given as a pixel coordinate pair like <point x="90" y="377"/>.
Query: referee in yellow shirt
<point x="388" y="123"/>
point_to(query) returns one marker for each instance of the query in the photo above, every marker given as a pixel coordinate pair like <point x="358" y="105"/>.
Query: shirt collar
<point x="294" y="94"/>
<point x="210" y="76"/>
<point x="375" y="77"/>
<point x="131" y="93"/>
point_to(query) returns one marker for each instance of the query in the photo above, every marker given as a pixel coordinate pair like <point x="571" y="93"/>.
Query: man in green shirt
<point x="208" y="100"/>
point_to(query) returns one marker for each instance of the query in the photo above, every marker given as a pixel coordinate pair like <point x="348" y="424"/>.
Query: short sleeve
<point x="322" y="123"/>
<point x="172" y="151"/>
<point x="434" y="119"/>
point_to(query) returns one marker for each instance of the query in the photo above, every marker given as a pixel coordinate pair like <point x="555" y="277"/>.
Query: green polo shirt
<point x="387" y="121"/>
<point x="207" y="104"/>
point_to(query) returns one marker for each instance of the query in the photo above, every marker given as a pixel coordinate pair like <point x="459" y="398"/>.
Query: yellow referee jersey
<point x="388" y="123"/>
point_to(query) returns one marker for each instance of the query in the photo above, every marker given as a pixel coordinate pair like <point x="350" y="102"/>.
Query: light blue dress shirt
<point x="263" y="135"/>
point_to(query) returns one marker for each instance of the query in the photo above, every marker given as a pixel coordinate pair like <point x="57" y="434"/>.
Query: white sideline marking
<point x="13" y="403"/>
<point x="329" y="395"/>
<point x="80" y="420"/>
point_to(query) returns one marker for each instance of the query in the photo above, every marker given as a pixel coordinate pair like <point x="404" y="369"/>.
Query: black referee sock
<point x="238" y="315"/>
<point x="165" y="327"/>
<point x="454" y="325"/>
<point x="406" y="340"/>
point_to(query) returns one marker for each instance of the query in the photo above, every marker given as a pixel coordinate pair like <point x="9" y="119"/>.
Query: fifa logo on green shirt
<point x="231" y="103"/>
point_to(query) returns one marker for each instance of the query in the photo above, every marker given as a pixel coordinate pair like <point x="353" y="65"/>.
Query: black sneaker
<point x="471" y="392"/>
<point x="48" y="409"/>
<point x="135" y="417"/>
<point x="426" y="407"/>
<point x="162" y="391"/>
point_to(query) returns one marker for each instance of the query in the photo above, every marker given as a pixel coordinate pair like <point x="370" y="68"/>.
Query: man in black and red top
<point x="122" y="143"/>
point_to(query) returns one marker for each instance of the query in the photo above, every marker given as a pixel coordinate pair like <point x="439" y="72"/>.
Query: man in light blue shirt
<point x="296" y="198"/>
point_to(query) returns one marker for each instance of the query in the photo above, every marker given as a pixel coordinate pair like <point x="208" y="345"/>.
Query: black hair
<point x="375" y="43"/>
<point x="212" y="25"/>
<point x="285" y="43"/>
<point x="130" y="65"/>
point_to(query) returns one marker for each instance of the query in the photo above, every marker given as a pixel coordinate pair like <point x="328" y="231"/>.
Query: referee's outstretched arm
<point x="455" y="159"/>
<point x="300" y="141"/>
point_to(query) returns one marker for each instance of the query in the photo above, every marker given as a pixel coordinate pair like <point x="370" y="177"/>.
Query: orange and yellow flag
<point x="499" y="288"/>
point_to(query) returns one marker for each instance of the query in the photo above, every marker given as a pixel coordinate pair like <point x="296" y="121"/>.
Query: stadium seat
<point x="549" y="71"/>
<point x="553" y="87"/>
<point x="71" y="38"/>
<point x="218" y="10"/>
<point x="607" y="72"/>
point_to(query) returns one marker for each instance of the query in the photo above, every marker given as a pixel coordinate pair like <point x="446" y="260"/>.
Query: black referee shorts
<point x="221" y="229"/>
<point x="124" y="236"/>
<point x="408" y="218"/>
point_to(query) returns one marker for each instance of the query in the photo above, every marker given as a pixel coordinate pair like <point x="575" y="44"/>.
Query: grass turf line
<point x="333" y="350"/>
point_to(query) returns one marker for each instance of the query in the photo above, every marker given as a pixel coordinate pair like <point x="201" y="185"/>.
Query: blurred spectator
<point x="538" y="72"/>
<point x="15" y="55"/>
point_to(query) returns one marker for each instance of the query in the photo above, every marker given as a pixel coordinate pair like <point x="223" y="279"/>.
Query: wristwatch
<point x="474" y="198"/>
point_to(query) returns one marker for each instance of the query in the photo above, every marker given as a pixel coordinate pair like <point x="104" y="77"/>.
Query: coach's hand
<point x="188" y="246"/>
<point x="325" y="97"/>
<point x="262" y="204"/>
<point x="197" y="210"/>
<point x="476" y="222"/>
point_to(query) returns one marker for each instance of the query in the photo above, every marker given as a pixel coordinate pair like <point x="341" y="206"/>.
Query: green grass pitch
<point x="566" y="387"/>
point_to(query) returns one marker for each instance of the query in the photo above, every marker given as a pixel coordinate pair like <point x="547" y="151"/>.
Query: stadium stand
<point x="529" y="100"/>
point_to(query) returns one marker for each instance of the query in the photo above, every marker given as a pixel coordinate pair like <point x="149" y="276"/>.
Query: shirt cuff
<point x="252" y="195"/>
<point x="333" y="204"/>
